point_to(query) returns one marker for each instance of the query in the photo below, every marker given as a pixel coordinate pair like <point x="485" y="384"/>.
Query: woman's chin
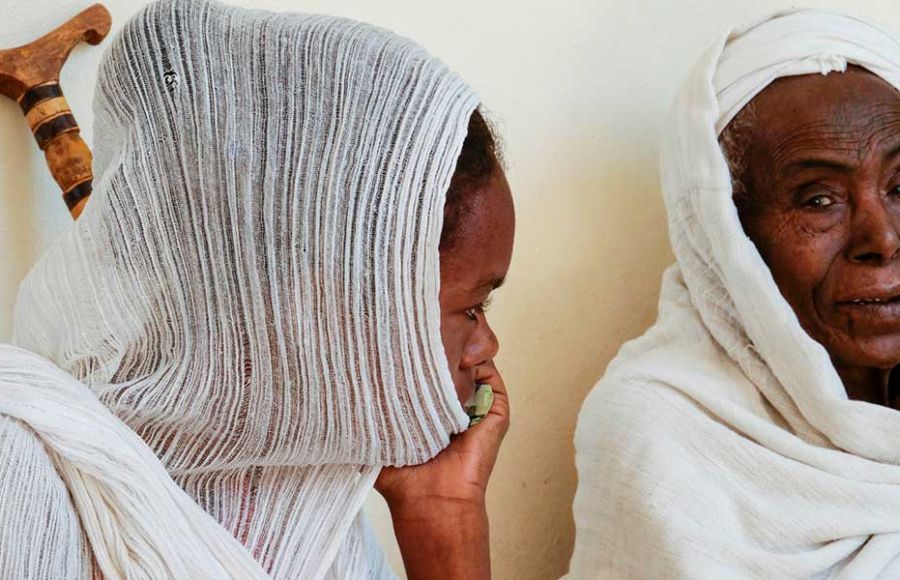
<point x="876" y="352"/>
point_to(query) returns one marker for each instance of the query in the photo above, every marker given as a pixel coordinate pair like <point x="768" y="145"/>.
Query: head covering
<point x="253" y="287"/>
<point x="722" y="443"/>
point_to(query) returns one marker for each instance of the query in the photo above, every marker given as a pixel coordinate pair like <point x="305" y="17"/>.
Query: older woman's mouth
<point x="871" y="298"/>
<point x="884" y="293"/>
<point x="870" y="301"/>
<point x="872" y="307"/>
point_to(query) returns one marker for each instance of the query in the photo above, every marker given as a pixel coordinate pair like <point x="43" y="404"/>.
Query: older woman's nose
<point x="875" y="237"/>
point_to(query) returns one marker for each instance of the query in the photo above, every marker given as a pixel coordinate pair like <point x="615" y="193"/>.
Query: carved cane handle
<point x="29" y="75"/>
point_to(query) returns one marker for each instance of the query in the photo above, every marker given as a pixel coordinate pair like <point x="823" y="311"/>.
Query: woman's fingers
<point x="486" y="437"/>
<point x="499" y="415"/>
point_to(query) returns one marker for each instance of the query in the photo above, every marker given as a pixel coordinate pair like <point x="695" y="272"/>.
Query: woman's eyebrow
<point x="490" y="284"/>
<point x="828" y="162"/>
<point x="841" y="157"/>
<point x="796" y="166"/>
<point x="894" y="152"/>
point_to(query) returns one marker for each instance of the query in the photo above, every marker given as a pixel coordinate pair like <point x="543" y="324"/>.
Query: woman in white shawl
<point x="753" y="431"/>
<point x="260" y="308"/>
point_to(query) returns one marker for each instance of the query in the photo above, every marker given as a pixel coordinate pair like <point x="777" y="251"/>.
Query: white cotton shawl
<point x="213" y="363"/>
<point x="722" y="444"/>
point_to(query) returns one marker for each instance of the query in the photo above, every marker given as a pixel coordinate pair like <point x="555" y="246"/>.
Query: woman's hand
<point x="438" y="508"/>
<point x="460" y="473"/>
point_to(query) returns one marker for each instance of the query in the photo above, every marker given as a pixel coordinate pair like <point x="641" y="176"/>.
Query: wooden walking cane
<point x="29" y="75"/>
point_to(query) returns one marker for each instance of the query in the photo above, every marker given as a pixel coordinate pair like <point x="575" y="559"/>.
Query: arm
<point x="443" y="539"/>
<point x="439" y="509"/>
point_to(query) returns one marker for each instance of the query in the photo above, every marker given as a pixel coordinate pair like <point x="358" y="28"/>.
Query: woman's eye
<point x="819" y="201"/>
<point x="474" y="311"/>
<point x="894" y="190"/>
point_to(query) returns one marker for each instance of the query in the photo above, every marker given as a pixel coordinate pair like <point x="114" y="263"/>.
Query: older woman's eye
<point x="819" y="201"/>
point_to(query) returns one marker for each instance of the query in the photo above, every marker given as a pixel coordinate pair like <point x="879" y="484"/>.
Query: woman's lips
<point x="870" y="297"/>
<point x="872" y="311"/>
<point x="867" y="301"/>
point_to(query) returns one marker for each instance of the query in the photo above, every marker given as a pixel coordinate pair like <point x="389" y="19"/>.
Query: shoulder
<point x="40" y="534"/>
<point x="655" y="425"/>
<point x="28" y="476"/>
<point x="660" y="477"/>
<point x="628" y="425"/>
<point x="647" y="500"/>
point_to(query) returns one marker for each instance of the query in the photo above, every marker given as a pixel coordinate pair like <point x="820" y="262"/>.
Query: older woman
<point x="753" y="432"/>
<point x="273" y="301"/>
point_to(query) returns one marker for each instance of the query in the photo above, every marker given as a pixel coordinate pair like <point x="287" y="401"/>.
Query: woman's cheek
<point x="454" y="337"/>
<point x="454" y="341"/>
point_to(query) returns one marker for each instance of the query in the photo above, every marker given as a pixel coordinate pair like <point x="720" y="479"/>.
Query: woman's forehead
<point x="848" y="113"/>
<point x="843" y="97"/>
<point x="484" y="246"/>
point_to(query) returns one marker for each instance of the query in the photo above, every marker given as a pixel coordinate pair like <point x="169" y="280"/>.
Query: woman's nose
<point x="875" y="238"/>
<point x="482" y="346"/>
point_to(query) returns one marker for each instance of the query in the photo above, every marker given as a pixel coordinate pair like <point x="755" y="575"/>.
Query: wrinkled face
<point x="823" y="175"/>
<point x="474" y="266"/>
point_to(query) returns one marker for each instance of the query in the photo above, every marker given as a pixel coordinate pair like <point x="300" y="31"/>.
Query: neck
<point x="867" y="384"/>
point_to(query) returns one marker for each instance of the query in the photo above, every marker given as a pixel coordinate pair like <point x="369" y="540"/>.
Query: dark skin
<point x="823" y="174"/>
<point x="438" y="508"/>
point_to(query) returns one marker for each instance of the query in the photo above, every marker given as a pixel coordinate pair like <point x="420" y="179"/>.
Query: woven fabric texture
<point x="243" y="326"/>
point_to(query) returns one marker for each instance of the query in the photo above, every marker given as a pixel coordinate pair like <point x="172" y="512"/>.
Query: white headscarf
<point x="722" y="443"/>
<point x="252" y="289"/>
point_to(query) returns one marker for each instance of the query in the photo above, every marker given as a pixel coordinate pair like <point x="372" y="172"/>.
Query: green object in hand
<point x="480" y="404"/>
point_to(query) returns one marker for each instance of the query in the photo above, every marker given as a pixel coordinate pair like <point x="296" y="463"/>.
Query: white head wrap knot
<point x="722" y="442"/>
<point x="253" y="288"/>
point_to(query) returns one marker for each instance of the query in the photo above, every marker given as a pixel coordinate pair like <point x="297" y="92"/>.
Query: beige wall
<point x="579" y="89"/>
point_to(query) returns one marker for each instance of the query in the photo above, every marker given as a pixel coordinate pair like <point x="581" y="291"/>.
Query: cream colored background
<point x="579" y="89"/>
